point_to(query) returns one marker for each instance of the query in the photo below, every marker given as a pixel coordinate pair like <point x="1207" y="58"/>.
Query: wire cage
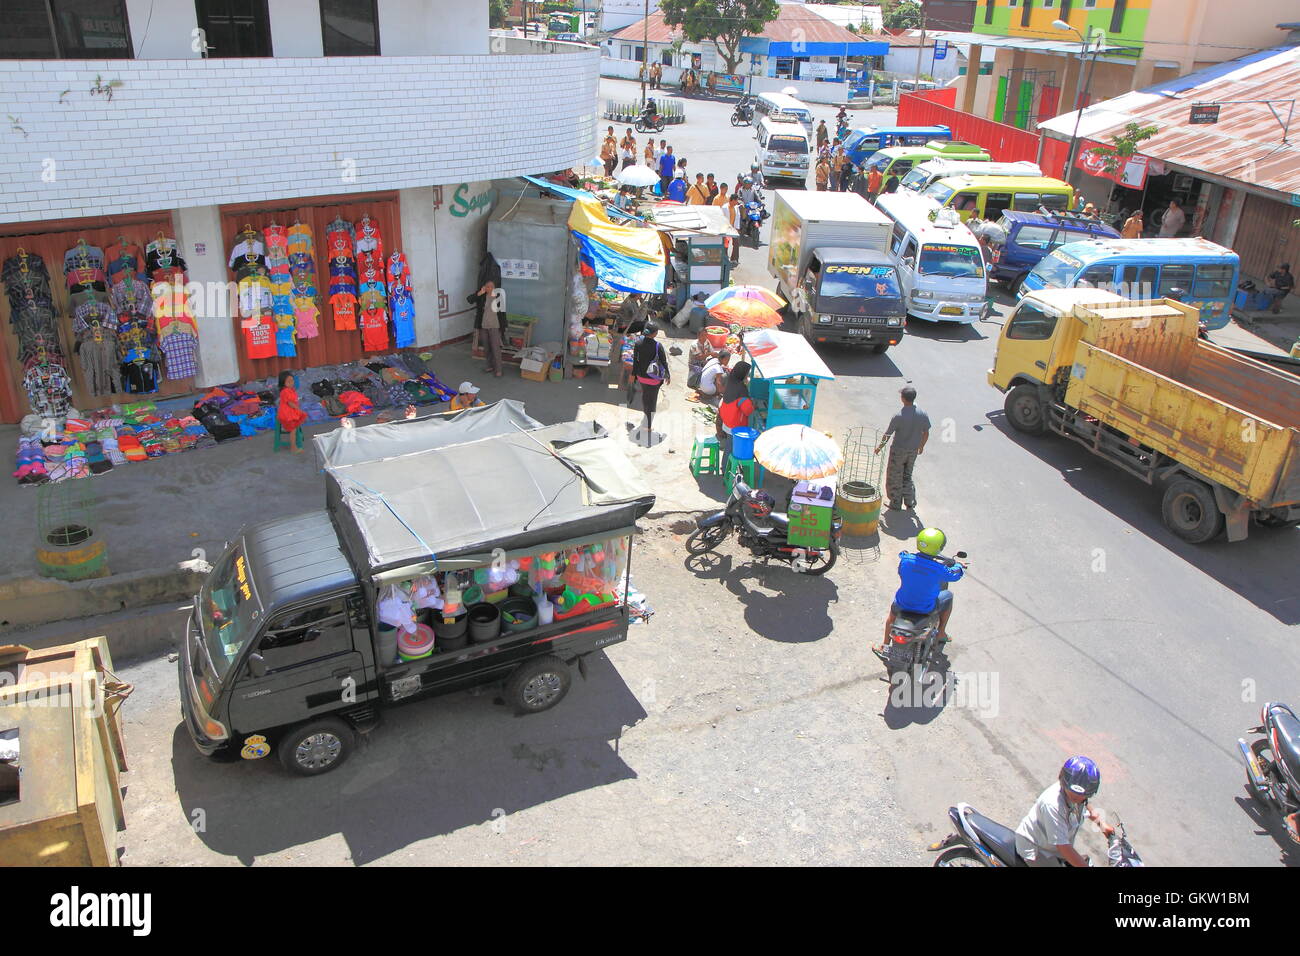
<point x="858" y="495"/>
<point x="861" y="463"/>
<point x="68" y="546"/>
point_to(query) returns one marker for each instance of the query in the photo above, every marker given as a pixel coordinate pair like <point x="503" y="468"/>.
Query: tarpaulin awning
<point x="568" y="192"/>
<point x="775" y="354"/>
<point x="628" y="258"/>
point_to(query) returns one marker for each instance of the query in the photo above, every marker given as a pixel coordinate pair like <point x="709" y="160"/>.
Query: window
<point x="1026" y="11"/>
<point x="996" y="204"/>
<point x="667" y="59"/>
<point x="65" y="29"/>
<point x="964" y="201"/>
<point x="785" y="66"/>
<point x="989" y="6"/>
<point x="1213" y="282"/>
<point x="1025" y="202"/>
<point x="909" y="251"/>
<point x="951" y="261"/>
<point x="1097" y="277"/>
<point x="1137" y="282"/>
<point x="1035" y="237"/>
<point x="896" y="242"/>
<point x="1053" y="200"/>
<point x="1175" y="276"/>
<point x="307" y="635"/>
<point x="1117" y="16"/>
<point x="235" y="28"/>
<point x="638" y="53"/>
<point x="350" y="27"/>
<point x="1031" y="321"/>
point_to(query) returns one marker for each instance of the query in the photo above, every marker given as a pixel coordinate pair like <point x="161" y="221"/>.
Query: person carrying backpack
<point x="650" y="369"/>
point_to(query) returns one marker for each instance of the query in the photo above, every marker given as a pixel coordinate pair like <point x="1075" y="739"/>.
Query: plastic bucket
<point x="859" y="505"/>
<point x="450" y="634"/>
<point x="484" y="623"/>
<point x="386" y="644"/>
<point x="413" y="646"/>
<point x="742" y="442"/>
<point x="717" y="335"/>
<point x="518" y="614"/>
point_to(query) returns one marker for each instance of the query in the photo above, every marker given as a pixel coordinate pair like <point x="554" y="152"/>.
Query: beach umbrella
<point x="637" y="176"/>
<point x="791" y="91"/>
<point x="756" y="292"/>
<point x="798" y="452"/>
<point x="747" y="313"/>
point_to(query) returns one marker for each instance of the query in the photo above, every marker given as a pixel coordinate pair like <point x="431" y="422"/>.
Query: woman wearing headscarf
<point x="489" y="297"/>
<point x="736" y="405"/>
<point x="650" y="369"/>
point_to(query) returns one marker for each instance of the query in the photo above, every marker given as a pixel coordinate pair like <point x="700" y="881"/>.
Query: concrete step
<point x="132" y="634"/>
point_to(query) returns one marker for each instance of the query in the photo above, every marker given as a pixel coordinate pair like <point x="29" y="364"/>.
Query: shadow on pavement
<point x="798" y="614"/>
<point x="431" y="768"/>
<point x="1270" y="824"/>
<point x="859" y="362"/>
<point x="910" y="702"/>
<point x="1262" y="569"/>
<point x="945" y="331"/>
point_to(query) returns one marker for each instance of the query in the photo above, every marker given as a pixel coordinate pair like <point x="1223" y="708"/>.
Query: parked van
<point x="1145" y="269"/>
<point x="1023" y="238"/>
<point x="782" y="150"/>
<point x="899" y="160"/>
<point x="860" y="144"/>
<point x="778" y="105"/>
<point x="919" y="177"/>
<point x="939" y="260"/>
<point x="988" y="197"/>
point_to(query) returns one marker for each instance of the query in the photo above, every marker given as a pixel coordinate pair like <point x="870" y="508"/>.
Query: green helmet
<point x="931" y="541"/>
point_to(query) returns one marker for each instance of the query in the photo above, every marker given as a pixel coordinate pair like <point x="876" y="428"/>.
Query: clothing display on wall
<point x="401" y="300"/>
<point x="162" y="259"/>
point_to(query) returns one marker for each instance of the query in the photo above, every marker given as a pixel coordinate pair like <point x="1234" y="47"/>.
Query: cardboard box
<point x="538" y="375"/>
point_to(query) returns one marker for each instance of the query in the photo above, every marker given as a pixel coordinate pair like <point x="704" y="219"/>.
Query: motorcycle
<point x="914" y="637"/>
<point x="751" y="219"/>
<point x="763" y="532"/>
<point x="649" y="123"/>
<point x="978" y="841"/>
<point x="743" y="114"/>
<point x="1273" y="761"/>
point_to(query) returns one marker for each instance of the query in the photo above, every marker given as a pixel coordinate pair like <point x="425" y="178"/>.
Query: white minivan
<point x="939" y="260"/>
<point x="778" y="105"/>
<point x="782" y="151"/>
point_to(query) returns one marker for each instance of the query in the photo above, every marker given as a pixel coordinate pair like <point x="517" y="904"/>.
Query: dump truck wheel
<point x="1190" y="511"/>
<point x="1025" y="410"/>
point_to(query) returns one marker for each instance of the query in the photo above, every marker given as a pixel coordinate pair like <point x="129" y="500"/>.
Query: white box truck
<point x="829" y="253"/>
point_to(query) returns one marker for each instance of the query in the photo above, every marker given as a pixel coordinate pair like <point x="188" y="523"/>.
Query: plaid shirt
<point x="181" y="350"/>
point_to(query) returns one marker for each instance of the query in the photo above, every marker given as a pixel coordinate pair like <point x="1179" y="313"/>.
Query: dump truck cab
<point x="1038" y="340"/>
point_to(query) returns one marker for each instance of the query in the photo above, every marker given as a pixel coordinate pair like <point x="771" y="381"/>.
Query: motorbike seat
<point x="998" y="838"/>
<point x="1288" y="740"/>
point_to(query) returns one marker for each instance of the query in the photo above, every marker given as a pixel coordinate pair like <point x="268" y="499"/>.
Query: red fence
<point x="1006" y="144"/>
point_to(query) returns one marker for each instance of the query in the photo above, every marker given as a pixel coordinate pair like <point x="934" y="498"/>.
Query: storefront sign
<point x="462" y="204"/>
<point x="1203" y="115"/>
<point x="200" y="248"/>
<point x="811" y="71"/>
<point x="1132" y="171"/>
<point x="940" y="49"/>
<point x="519" y="269"/>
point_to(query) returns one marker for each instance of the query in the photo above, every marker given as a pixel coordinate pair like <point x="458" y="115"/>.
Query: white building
<point x="404" y="110"/>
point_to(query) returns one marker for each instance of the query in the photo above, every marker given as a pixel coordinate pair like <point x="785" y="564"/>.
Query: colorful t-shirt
<point x="344" y="306"/>
<point x="259" y="336"/>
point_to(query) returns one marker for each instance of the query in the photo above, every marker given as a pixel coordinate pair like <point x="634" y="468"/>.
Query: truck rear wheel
<point x="538" y="685"/>
<point x="317" y="746"/>
<point x="1025" y="410"/>
<point x="1190" y="511"/>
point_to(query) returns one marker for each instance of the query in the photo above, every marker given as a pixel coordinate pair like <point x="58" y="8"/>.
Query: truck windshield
<point x="915" y="178"/>
<point x="227" y="609"/>
<point x="1057" y="269"/>
<point x="859" y="282"/>
<point x="788" y="144"/>
<point x="952" y="261"/>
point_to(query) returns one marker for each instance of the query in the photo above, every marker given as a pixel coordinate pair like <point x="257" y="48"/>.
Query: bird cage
<point x="68" y="543"/>
<point x="858" y="492"/>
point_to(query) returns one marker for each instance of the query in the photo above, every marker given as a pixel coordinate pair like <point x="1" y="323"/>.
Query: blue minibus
<point x="860" y="144"/>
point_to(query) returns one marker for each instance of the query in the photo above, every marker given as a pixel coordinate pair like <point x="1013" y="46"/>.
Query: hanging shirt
<point x="254" y="295"/>
<point x="48" y="389"/>
<point x="344" y="306"/>
<point x="300" y="240"/>
<point x="368" y="238"/>
<point x="249" y="248"/>
<point x="305" y="315"/>
<point x="374" y="330"/>
<point x="123" y="261"/>
<point x="259" y="336"/>
<point x="133" y="296"/>
<point x="181" y="350"/>
<point x="83" y="256"/>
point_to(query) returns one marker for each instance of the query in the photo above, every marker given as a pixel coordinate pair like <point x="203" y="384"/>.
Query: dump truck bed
<point x="1231" y="418"/>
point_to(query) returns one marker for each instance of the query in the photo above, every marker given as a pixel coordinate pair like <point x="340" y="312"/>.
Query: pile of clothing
<point x="228" y="412"/>
<point x="31" y="462"/>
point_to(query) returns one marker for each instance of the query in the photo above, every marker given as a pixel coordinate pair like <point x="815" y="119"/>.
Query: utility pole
<point x="920" y="50"/>
<point x="645" y="51"/>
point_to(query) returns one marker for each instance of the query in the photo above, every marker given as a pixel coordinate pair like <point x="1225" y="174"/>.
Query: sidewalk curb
<point x="29" y="601"/>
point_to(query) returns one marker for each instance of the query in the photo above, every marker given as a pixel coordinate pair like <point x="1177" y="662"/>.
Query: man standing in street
<point x="823" y="173"/>
<point x="874" y="182"/>
<point x="609" y="152"/>
<point x="698" y="194"/>
<point x="667" y="166"/>
<point x="910" y="429"/>
<point x="1172" y="224"/>
<point x="822" y="135"/>
<point x="733" y="217"/>
<point x="1281" y="283"/>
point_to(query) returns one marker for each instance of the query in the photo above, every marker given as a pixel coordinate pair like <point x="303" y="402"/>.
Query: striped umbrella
<point x="768" y="298"/>
<point x="747" y="313"/>
<point x="797" y="451"/>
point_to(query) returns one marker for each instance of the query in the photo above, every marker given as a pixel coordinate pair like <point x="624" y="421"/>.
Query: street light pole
<point x="1085" y="44"/>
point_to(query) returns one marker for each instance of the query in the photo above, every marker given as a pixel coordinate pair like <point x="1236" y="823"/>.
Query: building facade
<point x="192" y="120"/>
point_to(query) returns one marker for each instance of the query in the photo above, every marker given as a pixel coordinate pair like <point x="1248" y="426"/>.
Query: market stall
<point x="786" y="372"/>
<point x="699" y="237"/>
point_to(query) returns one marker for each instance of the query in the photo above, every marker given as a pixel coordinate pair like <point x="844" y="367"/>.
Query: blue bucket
<point x="742" y="443"/>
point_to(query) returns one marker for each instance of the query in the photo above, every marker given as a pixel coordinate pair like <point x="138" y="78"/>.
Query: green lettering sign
<point x="462" y="205"/>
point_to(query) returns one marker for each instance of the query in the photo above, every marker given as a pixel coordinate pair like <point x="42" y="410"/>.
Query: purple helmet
<point x="1080" y="775"/>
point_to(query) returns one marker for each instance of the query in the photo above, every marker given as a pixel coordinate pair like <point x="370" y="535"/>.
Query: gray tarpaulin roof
<point x="343" y="446"/>
<point x="473" y="494"/>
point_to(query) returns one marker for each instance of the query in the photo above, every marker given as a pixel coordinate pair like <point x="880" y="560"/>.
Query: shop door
<point x="51" y="243"/>
<point x="333" y="346"/>
<point x="1265" y="237"/>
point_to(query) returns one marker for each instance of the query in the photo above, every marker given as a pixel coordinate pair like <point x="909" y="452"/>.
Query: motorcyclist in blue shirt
<point x="923" y="575"/>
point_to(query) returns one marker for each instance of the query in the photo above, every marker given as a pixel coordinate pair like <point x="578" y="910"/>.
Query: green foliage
<point x="722" y="22"/>
<point x="1123" y="145"/>
<point x="497" y="10"/>
<point x="901" y="14"/>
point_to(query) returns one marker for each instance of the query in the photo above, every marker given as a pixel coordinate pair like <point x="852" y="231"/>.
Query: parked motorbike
<point x="743" y="114"/>
<point x="1273" y="761"/>
<point x="914" y="637"/>
<point x="978" y="841"/>
<point x="649" y="123"/>
<point x="763" y="531"/>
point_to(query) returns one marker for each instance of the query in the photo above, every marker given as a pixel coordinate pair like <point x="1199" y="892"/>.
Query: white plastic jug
<point x="545" y="612"/>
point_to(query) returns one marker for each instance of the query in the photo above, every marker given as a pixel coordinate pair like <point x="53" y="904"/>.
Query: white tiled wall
<point x="184" y="133"/>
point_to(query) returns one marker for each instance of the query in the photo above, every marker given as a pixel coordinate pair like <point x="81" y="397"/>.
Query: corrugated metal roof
<point x="793" y="24"/>
<point x="1245" y="145"/>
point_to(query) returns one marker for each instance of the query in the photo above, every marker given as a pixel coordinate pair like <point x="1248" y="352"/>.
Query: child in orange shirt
<point x="289" y="413"/>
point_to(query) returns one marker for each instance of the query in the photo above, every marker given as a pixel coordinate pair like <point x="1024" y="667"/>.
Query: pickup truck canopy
<point x="463" y="499"/>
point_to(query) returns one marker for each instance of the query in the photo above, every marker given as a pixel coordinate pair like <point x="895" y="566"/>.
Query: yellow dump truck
<point x="1132" y="382"/>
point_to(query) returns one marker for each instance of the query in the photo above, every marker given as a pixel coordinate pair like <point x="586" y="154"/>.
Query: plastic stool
<point x="706" y="456"/>
<point x="750" y="472"/>
<point x="282" y="436"/>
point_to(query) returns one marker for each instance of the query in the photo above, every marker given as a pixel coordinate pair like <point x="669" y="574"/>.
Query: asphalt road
<point x="748" y="723"/>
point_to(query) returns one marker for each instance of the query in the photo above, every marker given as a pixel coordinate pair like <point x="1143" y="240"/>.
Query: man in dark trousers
<point x="910" y="429"/>
<point x="1281" y="284"/>
<point x="490" y="297"/>
<point x="650" y="368"/>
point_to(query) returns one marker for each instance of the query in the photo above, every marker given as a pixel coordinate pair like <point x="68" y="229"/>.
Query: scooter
<point x="743" y="114"/>
<point x="762" y="531"/>
<point x="913" y="640"/>
<point x="752" y="218"/>
<point x="1273" y="761"/>
<point x="978" y="841"/>
<point x="649" y="123"/>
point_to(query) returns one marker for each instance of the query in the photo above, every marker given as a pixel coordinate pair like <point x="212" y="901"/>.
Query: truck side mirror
<point x="257" y="665"/>
<point x="910" y="262"/>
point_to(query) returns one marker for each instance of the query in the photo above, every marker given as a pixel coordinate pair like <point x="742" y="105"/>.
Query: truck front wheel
<point x="1025" y="410"/>
<point x="317" y="746"/>
<point x="538" y="685"/>
<point x="1190" y="511"/>
<point x="880" y="349"/>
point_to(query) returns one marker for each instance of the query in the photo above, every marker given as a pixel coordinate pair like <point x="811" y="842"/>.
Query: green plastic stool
<point x="281" y="436"/>
<point x="750" y="472"/>
<point x="706" y="456"/>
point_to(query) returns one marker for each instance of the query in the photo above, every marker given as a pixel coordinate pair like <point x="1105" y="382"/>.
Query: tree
<point x="497" y="10"/>
<point x="1123" y="145"/>
<point x="722" y="22"/>
<point x="901" y="14"/>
